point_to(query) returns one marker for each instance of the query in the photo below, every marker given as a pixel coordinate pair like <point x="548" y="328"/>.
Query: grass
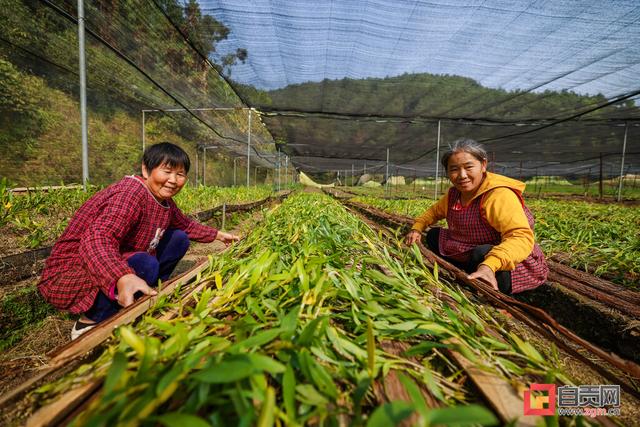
<point x="600" y="238"/>
<point x="20" y="311"/>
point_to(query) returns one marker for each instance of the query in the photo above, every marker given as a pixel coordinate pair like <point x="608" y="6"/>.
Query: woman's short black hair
<point x="165" y="153"/>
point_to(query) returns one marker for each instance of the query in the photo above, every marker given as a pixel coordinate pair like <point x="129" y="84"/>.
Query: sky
<point x="588" y="47"/>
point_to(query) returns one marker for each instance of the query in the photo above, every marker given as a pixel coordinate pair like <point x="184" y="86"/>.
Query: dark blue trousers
<point x="150" y="268"/>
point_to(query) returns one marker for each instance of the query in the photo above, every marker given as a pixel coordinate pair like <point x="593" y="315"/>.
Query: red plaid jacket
<point x="88" y="257"/>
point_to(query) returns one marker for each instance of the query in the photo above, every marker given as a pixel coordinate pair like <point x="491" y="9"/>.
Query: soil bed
<point x="593" y="321"/>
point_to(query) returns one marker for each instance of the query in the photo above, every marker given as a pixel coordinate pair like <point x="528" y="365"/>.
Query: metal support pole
<point x="234" y="171"/>
<point x="435" y="194"/>
<point x="278" y="166"/>
<point x="286" y="171"/>
<point x="414" y="182"/>
<point x="601" y="178"/>
<point x="143" y="131"/>
<point x="83" y="96"/>
<point x="353" y="174"/>
<point x="624" y="149"/>
<point x="224" y="215"/>
<point x="197" y="165"/>
<point x="249" y="151"/>
<point x="521" y="177"/>
<point x="386" y="182"/>
<point x="204" y="166"/>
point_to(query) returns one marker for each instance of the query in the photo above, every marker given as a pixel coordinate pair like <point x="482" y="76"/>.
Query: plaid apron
<point x="467" y="228"/>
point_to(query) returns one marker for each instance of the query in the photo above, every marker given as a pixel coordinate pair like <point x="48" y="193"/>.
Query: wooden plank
<point x="497" y="391"/>
<point x="97" y="335"/>
<point x="55" y="413"/>
<point x="91" y="339"/>
<point x="596" y="282"/>
<point x="21" y="265"/>
<point x="612" y="300"/>
<point x="45" y="188"/>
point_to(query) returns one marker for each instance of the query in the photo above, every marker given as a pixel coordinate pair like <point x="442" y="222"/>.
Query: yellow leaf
<point x="132" y="340"/>
<point x="218" y="280"/>
<point x="309" y="298"/>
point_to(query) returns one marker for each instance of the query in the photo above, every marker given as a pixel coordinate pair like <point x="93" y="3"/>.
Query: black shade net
<point x="141" y="68"/>
<point x="550" y="88"/>
<point x="538" y="83"/>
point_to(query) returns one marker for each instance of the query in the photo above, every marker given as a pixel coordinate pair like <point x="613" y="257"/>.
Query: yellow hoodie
<point x="503" y="211"/>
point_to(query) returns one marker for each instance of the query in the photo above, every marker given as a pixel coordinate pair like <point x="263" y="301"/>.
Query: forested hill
<point x="425" y="95"/>
<point x="405" y="110"/>
<point x="39" y="111"/>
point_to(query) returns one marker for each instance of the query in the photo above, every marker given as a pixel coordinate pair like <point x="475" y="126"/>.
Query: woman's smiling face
<point x="165" y="181"/>
<point x="466" y="172"/>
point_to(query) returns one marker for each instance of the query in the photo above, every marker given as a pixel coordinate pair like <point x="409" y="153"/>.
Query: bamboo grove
<point x="297" y="325"/>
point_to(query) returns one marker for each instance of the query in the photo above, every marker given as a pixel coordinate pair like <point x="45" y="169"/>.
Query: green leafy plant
<point x="294" y="328"/>
<point x="601" y="239"/>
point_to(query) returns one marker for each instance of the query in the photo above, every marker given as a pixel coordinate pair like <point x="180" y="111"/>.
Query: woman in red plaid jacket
<point x="122" y="240"/>
<point x="490" y="229"/>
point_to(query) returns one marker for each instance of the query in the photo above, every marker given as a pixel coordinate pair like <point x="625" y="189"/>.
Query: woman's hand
<point x="484" y="272"/>
<point x="412" y="237"/>
<point x="127" y="287"/>
<point x="227" y="238"/>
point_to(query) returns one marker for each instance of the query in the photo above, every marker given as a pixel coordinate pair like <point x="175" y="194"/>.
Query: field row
<point x="601" y="239"/>
<point x="304" y="322"/>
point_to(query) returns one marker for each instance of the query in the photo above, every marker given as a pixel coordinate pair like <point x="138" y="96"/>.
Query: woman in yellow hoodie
<point x="490" y="230"/>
